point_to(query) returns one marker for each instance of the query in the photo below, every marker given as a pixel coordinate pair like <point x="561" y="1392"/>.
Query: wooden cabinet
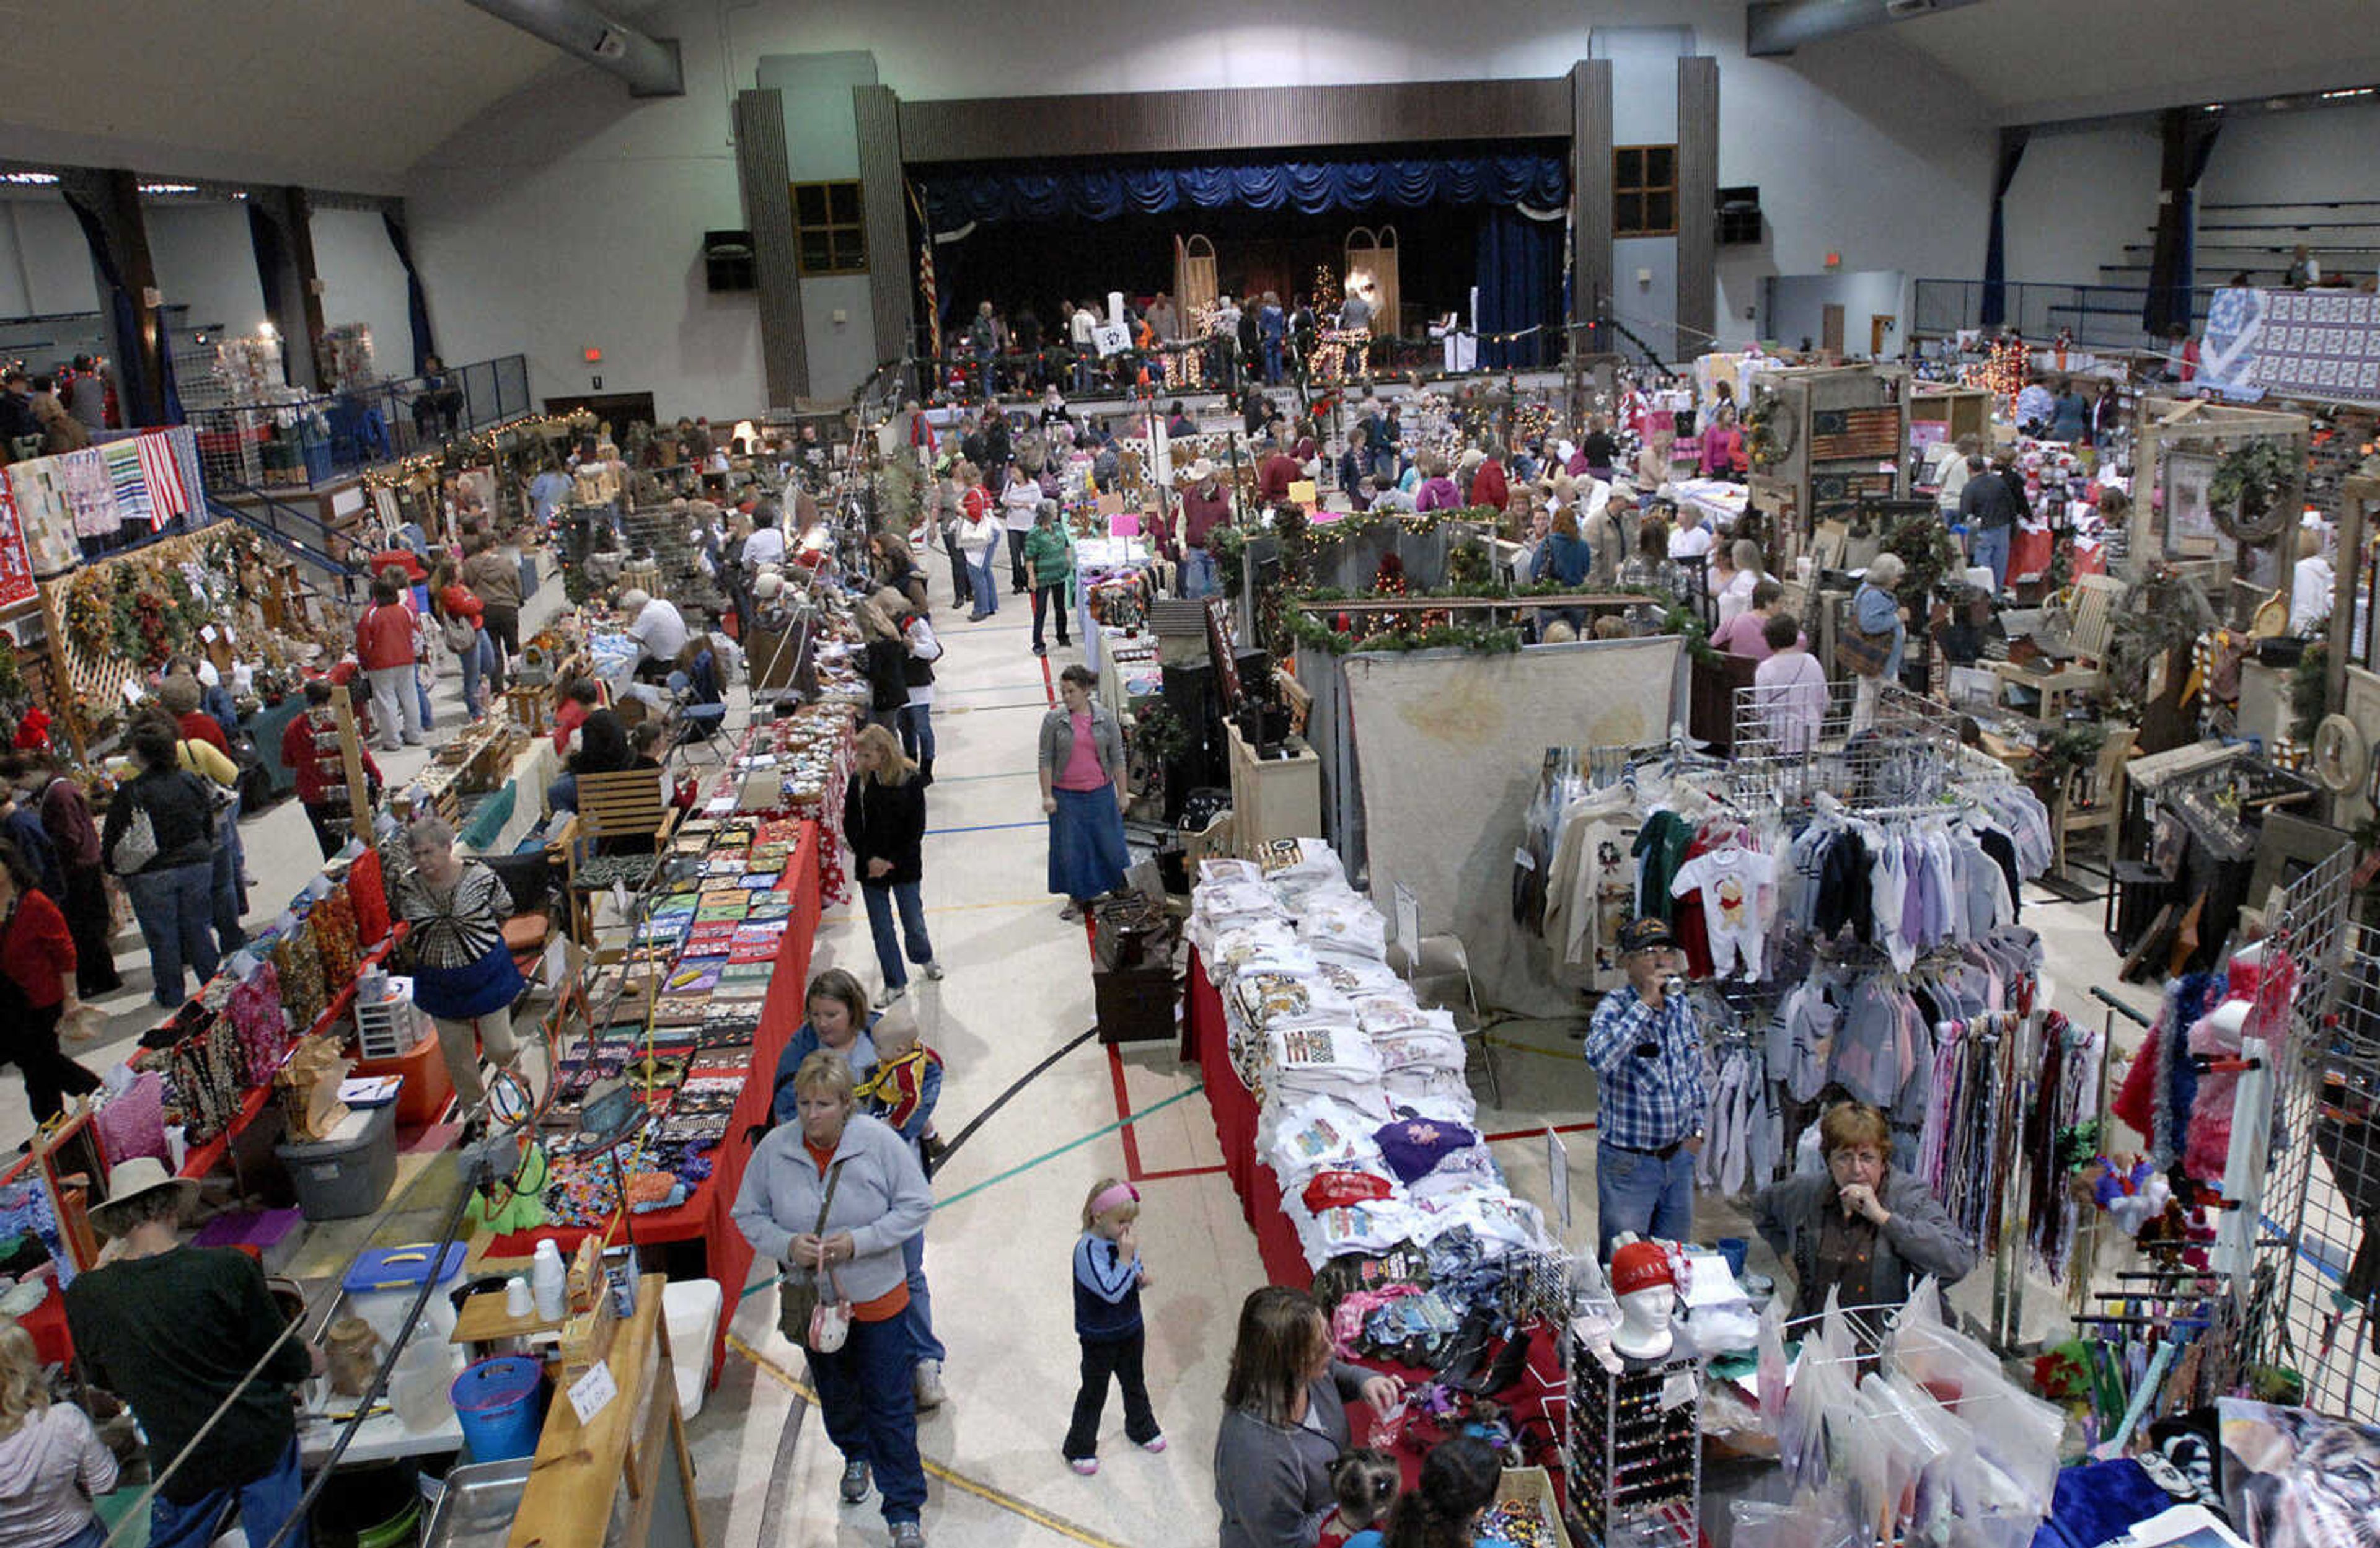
<point x="1273" y="798"/>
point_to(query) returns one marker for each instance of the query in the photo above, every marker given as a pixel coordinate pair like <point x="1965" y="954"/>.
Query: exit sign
<point x="593" y="354"/>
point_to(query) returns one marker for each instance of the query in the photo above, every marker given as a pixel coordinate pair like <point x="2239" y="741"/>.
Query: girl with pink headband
<point x="1109" y="1276"/>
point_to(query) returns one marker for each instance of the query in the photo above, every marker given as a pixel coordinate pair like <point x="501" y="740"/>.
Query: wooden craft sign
<point x="1218" y="647"/>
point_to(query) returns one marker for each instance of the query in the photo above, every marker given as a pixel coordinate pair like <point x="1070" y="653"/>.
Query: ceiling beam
<point x="1773" y="29"/>
<point x="649" y="65"/>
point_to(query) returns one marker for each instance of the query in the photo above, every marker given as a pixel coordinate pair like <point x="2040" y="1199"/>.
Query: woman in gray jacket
<point x="1082" y="793"/>
<point x="1861" y="1225"/>
<point x="1285" y="1422"/>
<point x="877" y="1199"/>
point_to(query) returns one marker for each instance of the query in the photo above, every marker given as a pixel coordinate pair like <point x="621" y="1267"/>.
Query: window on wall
<point x="830" y="235"/>
<point x="1645" y="190"/>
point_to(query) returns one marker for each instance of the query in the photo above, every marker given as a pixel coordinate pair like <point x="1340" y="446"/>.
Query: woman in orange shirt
<point x="458" y="608"/>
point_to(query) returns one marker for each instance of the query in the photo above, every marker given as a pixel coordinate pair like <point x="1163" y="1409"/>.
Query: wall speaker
<point x="1739" y="217"/>
<point x="727" y="261"/>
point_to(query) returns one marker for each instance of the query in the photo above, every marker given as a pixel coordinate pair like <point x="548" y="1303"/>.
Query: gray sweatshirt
<point x="1273" y="1483"/>
<point x="50" y="1470"/>
<point x="1917" y="1240"/>
<point x="882" y="1200"/>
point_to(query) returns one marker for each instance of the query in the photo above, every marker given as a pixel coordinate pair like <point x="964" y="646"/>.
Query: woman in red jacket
<point x="1489" y="486"/>
<point x="384" y="644"/>
<point x="37" y="989"/>
<point x="457" y="606"/>
<point x="309" y="749"/>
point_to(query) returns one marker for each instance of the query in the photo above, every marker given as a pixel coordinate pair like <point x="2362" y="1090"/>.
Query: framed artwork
<point x="2189" y="530"/>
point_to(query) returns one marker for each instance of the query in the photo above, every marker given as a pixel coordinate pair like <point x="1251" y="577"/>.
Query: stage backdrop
<point x="1451" y="745"/>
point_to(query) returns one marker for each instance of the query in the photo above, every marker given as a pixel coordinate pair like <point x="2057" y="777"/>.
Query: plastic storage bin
<point x="428" y="1087"/>
<point x="381" y="1285"/>
<point x="348" y="1174"/>
<point x="501" y="1403"/>
<point x="391" y="1026"/>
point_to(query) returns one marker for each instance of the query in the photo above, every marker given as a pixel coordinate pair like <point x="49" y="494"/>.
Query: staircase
<point x="2257" y="240"/>
<point x="297" y="533"/>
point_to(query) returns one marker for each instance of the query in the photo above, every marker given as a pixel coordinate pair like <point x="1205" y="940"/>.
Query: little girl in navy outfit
<point x="1108" y="1279"/>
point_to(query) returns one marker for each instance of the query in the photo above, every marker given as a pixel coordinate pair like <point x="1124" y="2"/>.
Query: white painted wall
<point x="205" y="260"/>
<point x="44" y="262"/>
<point x="1644" y="112"/>
<point x="1797" y="306"/>
<point x="362" y="282"/>
<point x="570" y="213"/>
<point x="822" y="146"/>
<point x="2321" y="153"/>
<point x="2079" y="199"/>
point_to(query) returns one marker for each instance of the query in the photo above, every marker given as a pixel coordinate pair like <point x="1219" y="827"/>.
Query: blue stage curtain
<point x="131" y="364"/>
<point x="1520" y="271"/>
<point x="417" y="300"/>
<point x="1309" y="188"/>
<point x="1994" y="310"/>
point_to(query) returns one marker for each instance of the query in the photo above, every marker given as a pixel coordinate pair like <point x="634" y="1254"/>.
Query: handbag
<point x="1861" y="653"/>
<point x="461" y="636"/>
<point x="136" y="846"/>
<point x="804" y="1316"/>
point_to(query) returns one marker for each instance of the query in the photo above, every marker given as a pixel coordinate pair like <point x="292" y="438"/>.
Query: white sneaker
<point x="933" y="972"/>
<point x="889" y="995"/>
<point x="927" y="1381"/>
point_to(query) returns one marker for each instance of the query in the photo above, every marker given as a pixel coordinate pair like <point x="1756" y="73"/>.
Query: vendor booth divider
<point x="1429" y="759"/>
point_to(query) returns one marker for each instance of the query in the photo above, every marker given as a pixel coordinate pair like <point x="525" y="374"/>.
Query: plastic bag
<point x="2016" y="1433"/>
<point x="1813" y="1519"/>
<point x="1771" y="1345"/>
<point x="1822" y="1385"/>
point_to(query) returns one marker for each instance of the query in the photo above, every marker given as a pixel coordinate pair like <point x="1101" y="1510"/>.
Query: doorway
<point x="1879" y="329"/>
<point x="1830" y="329"/>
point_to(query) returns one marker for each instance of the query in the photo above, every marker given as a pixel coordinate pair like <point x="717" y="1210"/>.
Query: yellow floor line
<point x="1568" y="1055"/>
<point x="984" y="1492"/>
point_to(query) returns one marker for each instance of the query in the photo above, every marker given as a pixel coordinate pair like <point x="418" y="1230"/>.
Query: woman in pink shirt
<point x="1082" y="793"/>
<point x="1722" y="445"/>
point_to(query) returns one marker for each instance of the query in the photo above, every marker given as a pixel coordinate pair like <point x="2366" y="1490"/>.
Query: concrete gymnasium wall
<point x="570" y="213"/>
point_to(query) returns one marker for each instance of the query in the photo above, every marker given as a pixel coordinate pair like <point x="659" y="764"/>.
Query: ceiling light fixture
<point x="169" y="187"/>
<point x="2345" y="92"/>
<point x="29" y="179"/>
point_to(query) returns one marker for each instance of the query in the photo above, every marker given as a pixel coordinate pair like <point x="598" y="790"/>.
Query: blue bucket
<point x="501" y="1403"/>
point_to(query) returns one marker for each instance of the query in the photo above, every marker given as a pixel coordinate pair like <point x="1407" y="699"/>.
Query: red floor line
<point x="1132" y="1169"/>
<point x="1539" y="1132"/>
<point x="1178" y="1171"/>
<point x="1049" y="683"/>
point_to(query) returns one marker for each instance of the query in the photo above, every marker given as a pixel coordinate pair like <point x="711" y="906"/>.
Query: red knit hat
<point x="1639" y="1265"/>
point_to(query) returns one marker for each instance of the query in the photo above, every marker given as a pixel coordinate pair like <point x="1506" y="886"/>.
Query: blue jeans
<point x="1990" y="546"/>
<point x="1273" y="362"/>
<point x="882" y="897"/>
<point x="223" y="884"/>
<point x="1083" y="370"/>
<point x="916" y="726"/>
<point x="264" y="1504"/>
<point x="1198" y="578"/>
<point x="986" y="585"/>
<point x="1642" y="1193"/>
<point x="563" y="794"/>
<point x="871" y="1410"/>
<point x="93" y="1535"/>
<point x="921" y="1315"/>
<point x="175" y="909"/>
<point x="479" y="663"/>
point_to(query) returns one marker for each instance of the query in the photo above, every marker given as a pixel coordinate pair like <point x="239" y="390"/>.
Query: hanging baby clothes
<point x="1730" y="879"/>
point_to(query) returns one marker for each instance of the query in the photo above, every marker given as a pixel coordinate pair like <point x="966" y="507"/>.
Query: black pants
<point x="962" y="590"/>
<point x="504" y="627"/>
<point x="1017" y="579"/>
<point x="332" y="824"/>
<point x="1050" y="598"/>
<point x="92" y="924"/>
<point x="1121" y="1359"/>
<point x="29" y="1039"/>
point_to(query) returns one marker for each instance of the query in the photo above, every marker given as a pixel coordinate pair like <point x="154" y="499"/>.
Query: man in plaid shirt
<point x="1646" y="1051"/>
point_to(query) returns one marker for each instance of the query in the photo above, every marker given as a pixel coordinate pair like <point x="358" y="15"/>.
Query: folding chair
<point x="1433" y="966"/>
<point x="620" y="815"/>
<point x="700" y="723"/>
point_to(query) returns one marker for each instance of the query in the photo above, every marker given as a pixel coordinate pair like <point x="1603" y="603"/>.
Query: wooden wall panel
<point x="762" y="167"/>
<point x="1697" y="203"/>
<point x="1256" y="118"/>
<point x="891" y="267"/>
<point x="1590" y="176"/>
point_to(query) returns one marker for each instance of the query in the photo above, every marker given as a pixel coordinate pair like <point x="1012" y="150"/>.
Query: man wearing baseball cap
<point x="1646" y="1052"/>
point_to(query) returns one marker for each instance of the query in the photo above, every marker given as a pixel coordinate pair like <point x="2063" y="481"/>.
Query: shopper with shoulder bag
<point x="1870" y="650"/>
<point x="832" y="1197"/>
<point x="159" y="840"/>
<point x="384" y="647"/>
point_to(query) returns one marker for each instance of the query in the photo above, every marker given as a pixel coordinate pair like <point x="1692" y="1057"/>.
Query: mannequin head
<point x="1646" y="1292"/>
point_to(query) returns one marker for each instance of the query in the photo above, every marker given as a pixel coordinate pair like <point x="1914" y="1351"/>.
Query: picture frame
<point x="2189" y="529"/>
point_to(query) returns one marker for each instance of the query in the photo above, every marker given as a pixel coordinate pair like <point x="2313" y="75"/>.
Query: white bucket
<point x="417" y="1387"/>
<point x="691" y="1308"/>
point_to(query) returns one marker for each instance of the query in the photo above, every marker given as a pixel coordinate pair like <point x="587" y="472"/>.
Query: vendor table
<point x="704" y="1216"/>
<point x="1205" y="1039"/>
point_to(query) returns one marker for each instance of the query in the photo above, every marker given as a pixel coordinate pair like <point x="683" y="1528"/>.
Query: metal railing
<point x="310" y="440"/>
<point x="297" y="532"/>
<point x="2099" y="316"/>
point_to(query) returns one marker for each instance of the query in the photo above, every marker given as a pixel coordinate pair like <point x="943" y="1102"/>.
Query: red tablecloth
<point x="704" y="1216"/>
<point x="1235" y="1108"/>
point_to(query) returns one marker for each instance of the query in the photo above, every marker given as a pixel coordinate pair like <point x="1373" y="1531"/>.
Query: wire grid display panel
<point x="1868" y="745"/>
<point x="2323" y="1185"/>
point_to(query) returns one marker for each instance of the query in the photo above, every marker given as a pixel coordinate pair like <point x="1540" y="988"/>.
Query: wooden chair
<point x="2096" y="597"/>
<point x="2092" y="798"/>
<point x="620" y="835"/>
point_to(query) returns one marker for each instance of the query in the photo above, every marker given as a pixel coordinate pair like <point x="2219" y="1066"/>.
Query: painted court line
<point x="985" y="827"/>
